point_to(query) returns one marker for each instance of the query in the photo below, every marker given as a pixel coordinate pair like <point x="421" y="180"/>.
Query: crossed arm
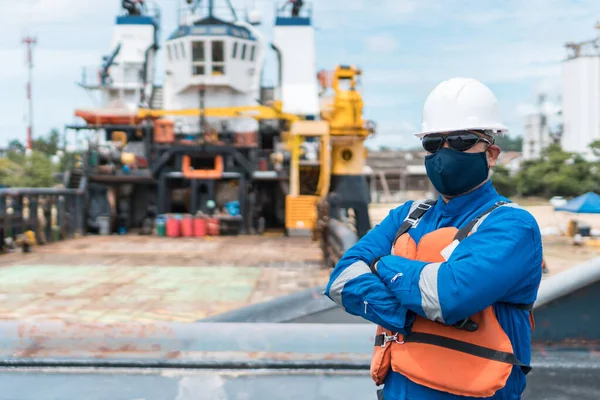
<point x="500" y="262"/>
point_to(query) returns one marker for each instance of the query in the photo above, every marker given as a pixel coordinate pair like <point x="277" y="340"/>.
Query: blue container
<point x="233" y="208"/>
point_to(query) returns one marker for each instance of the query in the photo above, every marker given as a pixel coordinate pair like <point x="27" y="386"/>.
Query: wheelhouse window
<point x="252" y="53"/>
<point x="169" y="53"/>
<point x="198" y="58"/>
<point x="235" y="48"/>
<point x="198" y="70"/>
<point x="243" y="52"/>
<point x="182" y="45"/>
<point x="218" y="57"/>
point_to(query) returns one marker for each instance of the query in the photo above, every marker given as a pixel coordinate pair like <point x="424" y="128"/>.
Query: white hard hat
<point x="461" y="104"/>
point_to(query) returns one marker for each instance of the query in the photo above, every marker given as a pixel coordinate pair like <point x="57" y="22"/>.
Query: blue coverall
<point x="500" y="262"/>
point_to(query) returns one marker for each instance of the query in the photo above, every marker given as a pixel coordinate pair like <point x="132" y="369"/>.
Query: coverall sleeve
<point x="500" y="262"/>
<point x="357" y="290"/>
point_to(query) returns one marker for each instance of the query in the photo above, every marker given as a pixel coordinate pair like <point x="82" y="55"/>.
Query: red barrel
<point x="173" y="226"/>
<point x="187" y="226"/>
<point x="199" y="227"/>
<point x="212" y="225"/>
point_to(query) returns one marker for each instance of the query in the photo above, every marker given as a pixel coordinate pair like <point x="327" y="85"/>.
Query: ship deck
<point x="144" y="278"/>
<point x="157" y="279"/>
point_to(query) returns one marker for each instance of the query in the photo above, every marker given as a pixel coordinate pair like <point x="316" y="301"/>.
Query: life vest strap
<point x="384" y="338"/>
<point x="465" y="230"/>
<point x="465" y="347"/>
<point x="414" y="217"/>
<point x="453" y="344"/>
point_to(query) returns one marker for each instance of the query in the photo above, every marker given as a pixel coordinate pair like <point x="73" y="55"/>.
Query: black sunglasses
<point x="459" y="141"/>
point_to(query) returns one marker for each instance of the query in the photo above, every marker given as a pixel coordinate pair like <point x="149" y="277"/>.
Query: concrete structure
<point x="537" y="135"/>
<point x="581" y="97"/>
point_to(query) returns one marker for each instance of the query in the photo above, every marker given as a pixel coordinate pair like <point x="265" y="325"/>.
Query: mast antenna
<point x="29" y="42"/>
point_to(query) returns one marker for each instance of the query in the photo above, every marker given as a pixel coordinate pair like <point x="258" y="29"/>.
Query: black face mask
<point x="454" y="172"/>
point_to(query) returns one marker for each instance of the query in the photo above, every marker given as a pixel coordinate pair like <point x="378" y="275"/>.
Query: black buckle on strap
<point x="413" y="218"/>
<point x="383" y="339"/>
<point x="467" y="324"/>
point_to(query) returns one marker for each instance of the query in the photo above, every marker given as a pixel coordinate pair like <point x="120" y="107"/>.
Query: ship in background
<point x="212" y="134"/>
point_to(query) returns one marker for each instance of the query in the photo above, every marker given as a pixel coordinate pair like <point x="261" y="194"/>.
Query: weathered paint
<point x="206" y="345"/>
<point x="228" y="361"/>
<point x="118" y="293"/>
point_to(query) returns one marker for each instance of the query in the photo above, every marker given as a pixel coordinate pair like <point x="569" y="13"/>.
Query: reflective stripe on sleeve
<point x="353" y="271"/>
<point x="428" y="285"/>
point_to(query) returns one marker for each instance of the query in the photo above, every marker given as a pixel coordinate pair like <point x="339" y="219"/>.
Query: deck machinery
<point x="213" y="133"/>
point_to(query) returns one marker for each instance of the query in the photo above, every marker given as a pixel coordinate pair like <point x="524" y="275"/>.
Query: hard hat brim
<point x="500" y="130"/>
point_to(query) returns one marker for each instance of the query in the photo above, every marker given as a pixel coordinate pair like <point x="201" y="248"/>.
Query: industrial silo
<point x="581" y="97"/>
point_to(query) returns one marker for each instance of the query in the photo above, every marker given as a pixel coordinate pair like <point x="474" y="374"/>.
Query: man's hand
<point x="376" y="262"/>
<point x="373" y="266"/>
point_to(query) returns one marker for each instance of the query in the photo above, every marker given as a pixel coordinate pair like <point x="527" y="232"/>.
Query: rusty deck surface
<point x="145" y="279"/>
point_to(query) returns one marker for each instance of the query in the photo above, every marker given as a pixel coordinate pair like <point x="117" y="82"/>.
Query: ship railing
<point x="91" y="77"/>
<point x="52" y="214"/>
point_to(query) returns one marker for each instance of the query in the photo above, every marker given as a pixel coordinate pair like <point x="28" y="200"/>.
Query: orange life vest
<point x="472" y="358"/>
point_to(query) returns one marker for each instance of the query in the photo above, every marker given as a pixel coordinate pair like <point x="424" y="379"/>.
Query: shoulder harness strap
<point x="465" y="230"/>
<point x="419" y="208"/>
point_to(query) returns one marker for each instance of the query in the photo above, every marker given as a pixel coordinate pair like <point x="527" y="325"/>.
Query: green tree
<point x="528" y="180"/>
<point x="557" y="173"/>
<point x="35" y="170"/>
<point x="595" y="147"/>
<point x="9" y="169"/>
<point x="503" y="182"/>
<point x="49" y="144"/>
<point x="16" y="146"/>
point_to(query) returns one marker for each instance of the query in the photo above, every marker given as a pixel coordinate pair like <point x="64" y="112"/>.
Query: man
<point x="450" y="284"/>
